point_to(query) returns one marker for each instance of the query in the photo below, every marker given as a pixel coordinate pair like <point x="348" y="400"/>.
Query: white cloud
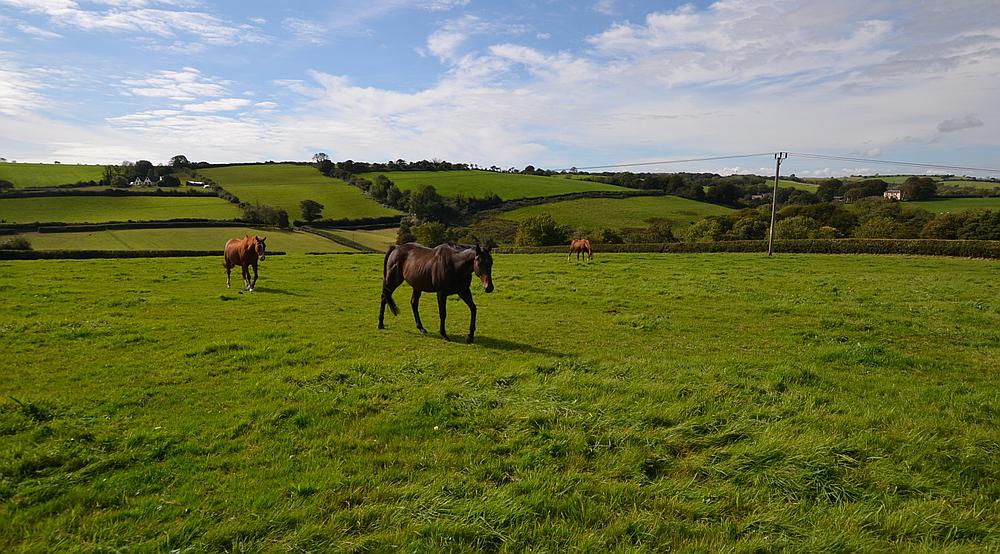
<point x="445" y="42"/>
<point x="37" y="32"/>
<point x="607" y="7"/>
<point x="959" y="124"/>
<point x="305" y="30"/>
<point x="19" y="93"/>
<point x="442" y="5"/>
<point x="135" y="16"/>
<point x="185" y="85"/>
<point x="220" y="105"/>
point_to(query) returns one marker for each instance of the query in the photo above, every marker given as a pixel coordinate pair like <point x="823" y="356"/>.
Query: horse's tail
<point x="386" y="293"/>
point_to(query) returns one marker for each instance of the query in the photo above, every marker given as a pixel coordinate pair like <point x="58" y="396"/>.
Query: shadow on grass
<point x="501" y="344"/>
<point x="269" y="290"/>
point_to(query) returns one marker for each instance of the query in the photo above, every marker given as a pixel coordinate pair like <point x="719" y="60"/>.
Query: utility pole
<point x="774" y="199"/>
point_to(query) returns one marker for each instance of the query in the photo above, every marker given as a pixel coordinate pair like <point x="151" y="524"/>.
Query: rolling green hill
<point x="598" y="213"/>
<point x="286" y="185"/>
<point x="98" y="209"/>
<point x="48" y="175"/>
<point x="195" y="238"/>
<point x="957" y="204"/>
<point x="508" y="186"/>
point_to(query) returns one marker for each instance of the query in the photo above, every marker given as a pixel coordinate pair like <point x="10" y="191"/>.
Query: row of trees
<point x="126" y="172"/>
<point x="869" y="218"/>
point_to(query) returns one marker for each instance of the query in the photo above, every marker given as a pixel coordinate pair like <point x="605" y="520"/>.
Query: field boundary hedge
<point x="47" y="193"/>
<point x="364" y="223"/>
<point x="920" y="247"/>
<point x="56" y="227"/>
<point x="339" y="240"/>
<point x="98" y="254"/>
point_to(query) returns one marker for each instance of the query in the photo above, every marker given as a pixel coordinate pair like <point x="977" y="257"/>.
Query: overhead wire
<point x="806" y="155"/>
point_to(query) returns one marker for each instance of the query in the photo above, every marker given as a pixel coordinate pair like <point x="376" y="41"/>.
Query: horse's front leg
<point x="442" y="305"/>
<point x="415" y="304"/>
<point x="466" y="295"/>
<point x="254" y="284"/>
<point x="245" y="273"/>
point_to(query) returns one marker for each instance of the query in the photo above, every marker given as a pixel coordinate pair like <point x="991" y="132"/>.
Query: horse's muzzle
<point x="488" y="286"/>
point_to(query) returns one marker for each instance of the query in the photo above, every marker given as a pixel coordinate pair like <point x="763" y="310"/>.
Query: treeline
<point x="871" y="218"/>
<point x="344" y="169"/>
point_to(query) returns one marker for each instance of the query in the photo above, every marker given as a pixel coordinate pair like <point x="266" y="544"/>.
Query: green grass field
<point x="285" y="186"/>
<point x="378" y="240"/>
<point x="958" y="204"/>
<point x="97" y="209"/>
<point x="194" y="238"/>
<point x="785" y="183"/>
<point x="508" y="186"/>
<point x="48" y="175"/>
<point x="634" y="403"/>
<point x="615" y="213"/>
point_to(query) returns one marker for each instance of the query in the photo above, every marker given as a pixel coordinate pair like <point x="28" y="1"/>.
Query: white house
<point x="893" y="194"/>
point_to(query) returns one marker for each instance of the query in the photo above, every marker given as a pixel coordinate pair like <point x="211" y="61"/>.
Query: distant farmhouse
<point x="144" y="182"/>
<point x="893" y="194"/>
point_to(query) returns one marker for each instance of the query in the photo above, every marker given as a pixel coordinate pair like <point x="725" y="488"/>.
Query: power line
<point x="892" y="162"/>
<point x="732" y="157"/>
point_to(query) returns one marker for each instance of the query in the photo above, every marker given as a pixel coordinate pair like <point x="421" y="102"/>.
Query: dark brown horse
<point x="446" y="269"/>
<point x="244" y="253"/>
<point x="580" y="246"/>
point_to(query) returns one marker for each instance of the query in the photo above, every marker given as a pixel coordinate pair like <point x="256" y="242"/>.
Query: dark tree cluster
<point x="265" y="215"/>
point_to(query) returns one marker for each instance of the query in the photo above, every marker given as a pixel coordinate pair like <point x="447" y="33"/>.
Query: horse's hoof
<point x="422" y="330"/>
<point x="468" y="339"/>
<point x="445" y="337"/>
<point x="381" y="327"/>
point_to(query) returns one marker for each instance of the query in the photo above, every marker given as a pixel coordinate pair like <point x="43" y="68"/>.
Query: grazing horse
<point x="580" y="246"/>
<point x="446" y="269"/>
<point x="244" y="253"/>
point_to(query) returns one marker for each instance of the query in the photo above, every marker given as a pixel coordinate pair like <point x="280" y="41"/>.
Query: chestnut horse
<point x="446" y="269"/>
<point x="244" y="253"/>
<point x="580" y="246"/>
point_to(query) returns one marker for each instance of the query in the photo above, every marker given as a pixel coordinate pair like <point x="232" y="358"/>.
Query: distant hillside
<point x="616" y="213"/>
<point x="508" y="186"/>
<point x="286" y="185"/>
<point x="48" y="175"/>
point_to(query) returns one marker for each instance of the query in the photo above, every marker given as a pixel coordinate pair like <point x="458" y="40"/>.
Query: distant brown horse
<point x="580" y="246"/>
<point x="244" y="253"/>
<point x="446" y="269"/>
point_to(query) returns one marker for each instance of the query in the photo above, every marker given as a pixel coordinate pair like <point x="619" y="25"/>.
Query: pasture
<point x="634" y="403"/>
<point x="378" y="240"/>
<point x="188" y="238"/>
<point x="286" y="185"/>
<point x="100" y="209"/>
<point x="508" y="186"/>
<point x="943" y="205"/>
<point x="48" y="175"/>
<point x="615" y="213"/>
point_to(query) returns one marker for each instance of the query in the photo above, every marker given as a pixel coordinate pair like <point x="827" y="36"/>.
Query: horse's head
<point x="483" y="265"/>
<point x="259" y="246"/>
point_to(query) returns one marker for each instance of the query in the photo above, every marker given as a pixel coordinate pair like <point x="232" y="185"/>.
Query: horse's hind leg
<point x="229" y="272"/>
<point x="415" y="304"/>
<point x="442" y="311"/>
<point x="392" y="281"/>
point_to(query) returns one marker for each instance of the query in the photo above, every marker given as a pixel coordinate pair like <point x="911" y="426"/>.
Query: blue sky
<point x="549" y="83"/>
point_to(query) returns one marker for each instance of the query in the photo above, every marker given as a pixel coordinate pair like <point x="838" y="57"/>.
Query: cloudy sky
<point x="545" y="82"/>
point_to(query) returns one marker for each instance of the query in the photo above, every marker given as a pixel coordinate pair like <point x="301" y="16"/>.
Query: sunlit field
<point x="48" y="175"/>
<point x="100" y="209"/>
<point x="637" y="402"/>
<point x="615" y="213"/>
<point x="286" y="185"/>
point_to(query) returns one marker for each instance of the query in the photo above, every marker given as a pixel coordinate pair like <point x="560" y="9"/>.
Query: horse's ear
<point x="263" y="239"/>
